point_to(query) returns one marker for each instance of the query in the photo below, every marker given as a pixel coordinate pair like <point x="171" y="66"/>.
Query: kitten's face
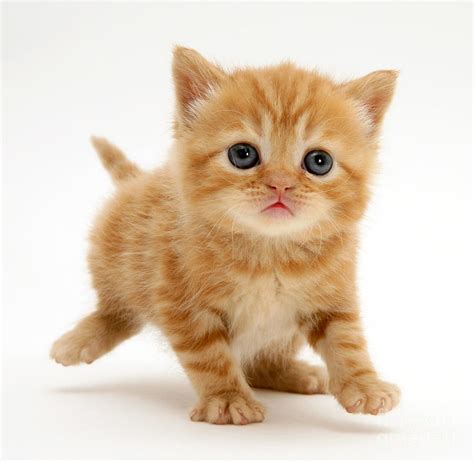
<point x="276" y="151"/>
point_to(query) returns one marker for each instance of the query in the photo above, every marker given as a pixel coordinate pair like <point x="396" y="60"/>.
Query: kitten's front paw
<point x="72" y="349"/>
<point x="232" y="409"/>
<point x="369" y="397"/>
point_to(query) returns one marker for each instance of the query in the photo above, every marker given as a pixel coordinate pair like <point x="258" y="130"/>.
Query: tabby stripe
<point x="362" y="372"/>
<point x="194" y="344"/>
<point x="351" y="363"/>
<point x="262" y="98"/>
<point x="350" y="345"/>
<point x="325" y="318"/>
<point x="214" y="311"/>
<point x="174" y="318"/>
<point x="220" y="369"/>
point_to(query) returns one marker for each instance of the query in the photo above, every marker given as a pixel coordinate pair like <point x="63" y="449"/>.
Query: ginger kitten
<point x="243" y="246"/>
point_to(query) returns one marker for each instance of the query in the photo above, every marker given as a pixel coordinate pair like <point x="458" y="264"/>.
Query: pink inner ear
<point x="375" y="106"/>
<point x="193" y="75"/>
<point x="374" y="92"/>
<point x="188" y="91"/>
<point x="195" y="91"/>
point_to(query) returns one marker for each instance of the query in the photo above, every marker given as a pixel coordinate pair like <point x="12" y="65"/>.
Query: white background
<point x="70" y="70"/>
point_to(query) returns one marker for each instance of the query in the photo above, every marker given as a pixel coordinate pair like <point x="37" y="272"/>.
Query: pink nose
<point x="280" y="184"/>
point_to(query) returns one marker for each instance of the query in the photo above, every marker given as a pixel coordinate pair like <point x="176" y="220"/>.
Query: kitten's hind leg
<point x="287" y="374"/>
<point x="95" y="335"/>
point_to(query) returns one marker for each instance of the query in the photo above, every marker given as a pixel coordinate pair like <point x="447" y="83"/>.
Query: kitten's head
<point x="278" y="150"/>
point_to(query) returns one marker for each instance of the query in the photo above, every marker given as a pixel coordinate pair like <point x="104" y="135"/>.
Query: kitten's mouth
<point x="278" y="208"/>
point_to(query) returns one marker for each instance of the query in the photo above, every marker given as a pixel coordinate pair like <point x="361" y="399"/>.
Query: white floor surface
<point x="121" y="408"/>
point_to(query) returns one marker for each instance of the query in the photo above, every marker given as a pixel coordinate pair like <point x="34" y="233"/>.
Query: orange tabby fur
<point x="237" y="291"/>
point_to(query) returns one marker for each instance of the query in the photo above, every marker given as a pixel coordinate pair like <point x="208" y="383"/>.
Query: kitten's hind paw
<point x="232" y="409"/>
<point x="294" y="376"/>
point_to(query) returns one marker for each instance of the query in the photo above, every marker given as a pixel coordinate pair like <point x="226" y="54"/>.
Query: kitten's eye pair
<point x="244" y="156"/>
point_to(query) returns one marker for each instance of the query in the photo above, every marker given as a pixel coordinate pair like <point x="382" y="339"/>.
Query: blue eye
<point x="318" y="162"/>
<point x="243" y="155"/>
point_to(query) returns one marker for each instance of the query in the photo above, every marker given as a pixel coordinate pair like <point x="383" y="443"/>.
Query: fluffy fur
<point x="238" y="291"/>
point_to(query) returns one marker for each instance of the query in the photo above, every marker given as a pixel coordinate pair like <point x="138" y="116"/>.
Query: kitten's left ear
<point x="374" y="93"/>
<point x="194" y="79"/>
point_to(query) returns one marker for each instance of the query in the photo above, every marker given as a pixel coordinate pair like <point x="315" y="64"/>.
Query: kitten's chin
<point x="274" y="222"/>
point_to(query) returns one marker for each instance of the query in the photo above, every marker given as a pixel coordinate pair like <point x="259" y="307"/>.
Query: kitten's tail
<point x="114" y="160"/>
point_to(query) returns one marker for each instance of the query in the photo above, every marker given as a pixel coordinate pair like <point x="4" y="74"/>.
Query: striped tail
<point x="114" y="161"/>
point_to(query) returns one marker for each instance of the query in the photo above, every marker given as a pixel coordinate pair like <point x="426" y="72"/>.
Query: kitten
<point x="243" y="246"/>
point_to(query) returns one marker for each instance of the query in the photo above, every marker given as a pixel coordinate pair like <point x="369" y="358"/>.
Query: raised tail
<point x="114" y="160"/>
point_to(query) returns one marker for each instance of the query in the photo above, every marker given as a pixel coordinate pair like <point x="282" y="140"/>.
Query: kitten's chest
<point x="262" y="315"/>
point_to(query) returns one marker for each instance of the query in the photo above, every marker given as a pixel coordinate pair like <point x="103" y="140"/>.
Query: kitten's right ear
<point x="194" y="79"/>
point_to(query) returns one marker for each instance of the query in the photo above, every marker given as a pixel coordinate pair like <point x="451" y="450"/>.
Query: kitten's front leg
<point x="201" y="341"/>
<point x="338" y="337"/>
